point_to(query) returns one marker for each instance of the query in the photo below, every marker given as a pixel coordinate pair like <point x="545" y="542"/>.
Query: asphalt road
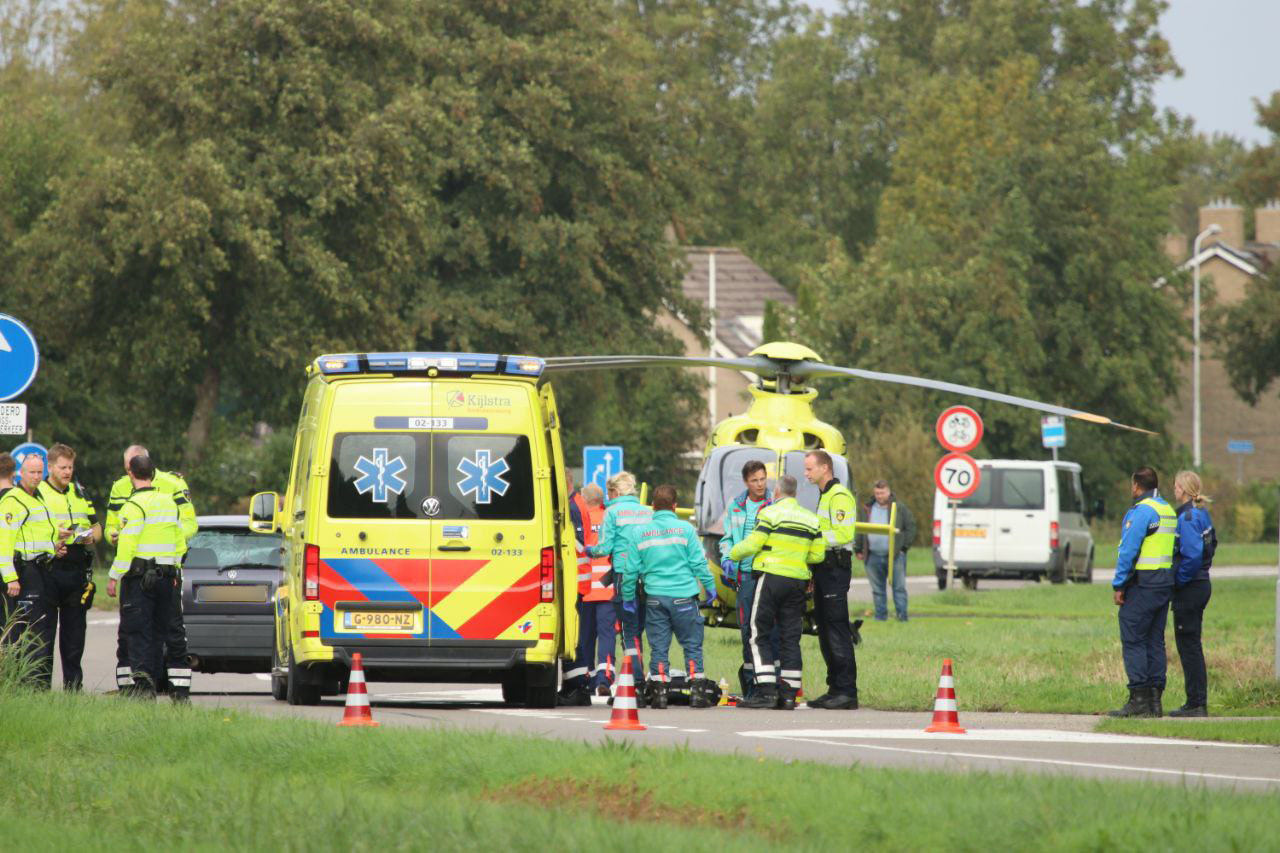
<point x="1041" y="743"/>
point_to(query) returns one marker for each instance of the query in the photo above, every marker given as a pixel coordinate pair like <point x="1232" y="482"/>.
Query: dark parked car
<point x="229" y="583"/>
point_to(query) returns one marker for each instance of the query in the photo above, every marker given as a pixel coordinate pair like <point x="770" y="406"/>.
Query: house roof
<point x="742" y="291"/>
<point x="1243" y="260"/>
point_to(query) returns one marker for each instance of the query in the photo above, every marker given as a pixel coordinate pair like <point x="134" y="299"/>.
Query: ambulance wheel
<point x="514" y="689"/>
<point x="540" y="686"/>
<point x="279" y="683"/>
<point x="296" y="691"/>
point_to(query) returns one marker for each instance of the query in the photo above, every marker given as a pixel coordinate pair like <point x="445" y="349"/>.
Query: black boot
<point x="180" y="695"/>
<point x="764" y="697"/>
<point x="1155" y="695"/>
<point x="1137" y="706"/>
<point x="700" y="693"/>
<point x="642" y="694"/>
<point x="658" y="695"/>
<point x="786" y="698"/>
<point x="1189" y="710"/>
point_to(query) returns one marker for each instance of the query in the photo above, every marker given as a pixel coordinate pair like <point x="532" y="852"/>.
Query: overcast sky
<point x="1227" y="52"/>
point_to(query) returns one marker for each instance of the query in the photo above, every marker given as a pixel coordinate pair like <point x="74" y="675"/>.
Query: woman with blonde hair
<point x="1197" y="541"/>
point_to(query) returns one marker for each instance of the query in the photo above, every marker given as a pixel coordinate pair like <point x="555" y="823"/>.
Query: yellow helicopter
<point x="778" y="428"/>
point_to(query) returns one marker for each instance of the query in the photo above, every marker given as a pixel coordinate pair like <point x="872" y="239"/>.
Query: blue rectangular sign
<point x="1053" y="431"/>
<point x="599" y="463"/>
<point x="1239" y="446"/>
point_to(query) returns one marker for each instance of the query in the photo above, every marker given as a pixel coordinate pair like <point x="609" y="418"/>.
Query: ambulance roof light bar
<point x="422" y="362"/>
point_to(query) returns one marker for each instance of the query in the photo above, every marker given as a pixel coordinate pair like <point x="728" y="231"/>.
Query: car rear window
<point x="431" y="475"/>
<point x="212" y="548"/>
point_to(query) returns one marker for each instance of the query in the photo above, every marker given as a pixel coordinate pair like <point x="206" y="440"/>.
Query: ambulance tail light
<point x="1053" y="534"/>
<point x="547" y="573"/>
<point x="311" y="573"/>
<point x="937" y="533"/>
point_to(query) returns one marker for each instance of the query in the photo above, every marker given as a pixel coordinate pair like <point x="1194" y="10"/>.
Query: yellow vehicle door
<point x="487" y="508"/>
<point x="568" y="548"/>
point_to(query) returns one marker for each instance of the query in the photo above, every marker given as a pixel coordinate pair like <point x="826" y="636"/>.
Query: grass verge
<point x="110" y="774"/>
<point x="1229" y="731"/>
<point x="1228" y="554"/>
<point x="1041" y="648"/>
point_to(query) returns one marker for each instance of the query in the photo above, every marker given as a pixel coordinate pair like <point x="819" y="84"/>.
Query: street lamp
<point x="1195" y="341"/>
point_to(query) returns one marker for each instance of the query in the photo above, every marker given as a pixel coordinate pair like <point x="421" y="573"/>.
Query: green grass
<point x="110" y="774"/>
<point x="1228" y="554"/>
<point x="1231" y="731"/>
<point x="1041" y="648"/>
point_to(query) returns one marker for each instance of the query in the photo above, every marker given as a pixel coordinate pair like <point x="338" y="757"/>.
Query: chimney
<point x="1175" y="246"/>
<point x="1266" y="221"/>
<point x="1227" y="214"/>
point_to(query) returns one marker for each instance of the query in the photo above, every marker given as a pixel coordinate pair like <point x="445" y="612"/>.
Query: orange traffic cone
<point x="625" y="717"/>
<point x="357" y="712"/>
<point x="945" y="718"/>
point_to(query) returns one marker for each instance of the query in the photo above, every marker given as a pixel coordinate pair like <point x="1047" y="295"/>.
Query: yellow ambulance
<point x="425" y="527"/>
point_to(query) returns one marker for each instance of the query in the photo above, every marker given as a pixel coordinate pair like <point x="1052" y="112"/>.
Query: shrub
<point x="1246" y="522"/>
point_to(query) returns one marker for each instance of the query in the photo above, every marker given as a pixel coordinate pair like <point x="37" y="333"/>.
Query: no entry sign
<point x="959" y="429"/>
<point x="957" y="476"/>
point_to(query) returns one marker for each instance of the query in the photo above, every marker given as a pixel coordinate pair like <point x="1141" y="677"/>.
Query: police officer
<point x="176" y="487"/>
<point x="838" y="515"/>
<point x="623" y="516"/>
<point x="786" y="539"/>
<point x="7" y="470"/>
<point x="145" y="571"/>
<point x="1197" y="542"/>
<point x="1143" y="585"/>
<point x="29" y="540"/>
<point x="69" y="591"/>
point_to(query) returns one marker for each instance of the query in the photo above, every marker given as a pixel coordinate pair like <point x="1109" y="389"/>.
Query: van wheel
<point x="279" y="683"/>
<point x="540" y="686"/>
<point x="942" y="580"/>
<point x="296" y="692"/>
<point x="969" y="581"/>
<point x="1087" y="577"/>
<point x="1058" y="574"/>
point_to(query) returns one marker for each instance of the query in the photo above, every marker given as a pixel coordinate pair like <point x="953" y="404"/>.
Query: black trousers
<point x="146" y="623"/>
<point x="1189" y="603"/>
<point x="30" y="617"/>
<point x="1143" y="617"/>
<point x="172" y="647"/>
<point x="831" y="609"/>
<point x="66" y="616"/>
<point x="778" y="602"/>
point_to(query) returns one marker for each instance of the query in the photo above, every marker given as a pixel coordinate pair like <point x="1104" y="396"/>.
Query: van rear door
<point x="1022" y="522"/>
<point x="975" y="542"/>
<point x="487" y="488"/>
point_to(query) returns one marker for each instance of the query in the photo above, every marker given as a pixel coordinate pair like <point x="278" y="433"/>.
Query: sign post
<point x="1240" y="449"/>
<point x="1053" y="433"/>
<point x="599" y="463"/>
<point x="959" y="430"/>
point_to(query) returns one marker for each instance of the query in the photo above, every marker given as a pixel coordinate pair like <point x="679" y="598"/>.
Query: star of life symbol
<point x="380" y="475"/>
<point x="483" y="477"/>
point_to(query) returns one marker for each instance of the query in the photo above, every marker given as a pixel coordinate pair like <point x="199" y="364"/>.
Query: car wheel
<point x="1058" y="573"/>
<point x="296" y="692"/>
<point x="279" y="683"/>
<point x="540" y="686"/>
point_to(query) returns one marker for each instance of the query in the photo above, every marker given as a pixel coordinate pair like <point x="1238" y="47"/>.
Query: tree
<point x="301" y="178"/>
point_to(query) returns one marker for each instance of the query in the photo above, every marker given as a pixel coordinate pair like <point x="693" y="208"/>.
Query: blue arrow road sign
<point x="600" y="462"/>
<point x="19" y="357"/>
<point x="1239" y="446"/>
<point x="1053" y="431"/>
<point x="27" y="448"/>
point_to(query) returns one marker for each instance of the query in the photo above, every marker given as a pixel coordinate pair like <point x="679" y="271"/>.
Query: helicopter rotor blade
<point x="752" y="364"/>
<point x="813" y="369"/>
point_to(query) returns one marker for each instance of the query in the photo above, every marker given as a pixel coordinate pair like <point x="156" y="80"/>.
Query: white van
<point x="1026" y="520"/>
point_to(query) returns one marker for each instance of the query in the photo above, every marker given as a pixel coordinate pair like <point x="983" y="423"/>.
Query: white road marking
<point x="262" y="676"/>
<point x="1050" y="761"/>
<point x="1001" y="735"/>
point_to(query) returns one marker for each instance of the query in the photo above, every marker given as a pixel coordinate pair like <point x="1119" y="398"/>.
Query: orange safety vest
<point x="591" y="572"/>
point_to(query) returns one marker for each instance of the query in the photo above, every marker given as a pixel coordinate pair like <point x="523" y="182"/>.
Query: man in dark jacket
<point x="873" y="550"/>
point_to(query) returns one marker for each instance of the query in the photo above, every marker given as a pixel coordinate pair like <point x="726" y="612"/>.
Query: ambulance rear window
<point x="431" y="476"/>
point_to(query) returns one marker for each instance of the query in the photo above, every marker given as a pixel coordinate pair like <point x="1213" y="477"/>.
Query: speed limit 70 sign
<point x="957" y="476"/>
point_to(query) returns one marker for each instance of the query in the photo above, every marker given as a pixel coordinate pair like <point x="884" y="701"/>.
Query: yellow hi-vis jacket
<point x="69" y="508"/>
<point x="173" y="485"/>
<point x="148" y="530"/>
<point x="838" y="513"/>
<point x="786" y="540"/>
<point x="27" y="530"/>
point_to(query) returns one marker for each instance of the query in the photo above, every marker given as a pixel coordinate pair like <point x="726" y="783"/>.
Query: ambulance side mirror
<point x="262" y="512"/>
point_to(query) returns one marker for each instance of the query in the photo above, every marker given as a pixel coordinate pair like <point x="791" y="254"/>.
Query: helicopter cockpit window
<point x="807" y="493"/>
<point x="721" y="482"/>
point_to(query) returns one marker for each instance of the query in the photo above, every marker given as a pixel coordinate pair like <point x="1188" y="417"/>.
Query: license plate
<point x="971" y="532"/>
<point x="232" y="593"/>
<point x="381" y="621"/>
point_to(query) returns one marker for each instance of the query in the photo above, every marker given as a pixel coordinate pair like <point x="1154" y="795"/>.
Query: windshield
<point x="721" y="482"/>
<point x="220" y="549"/>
